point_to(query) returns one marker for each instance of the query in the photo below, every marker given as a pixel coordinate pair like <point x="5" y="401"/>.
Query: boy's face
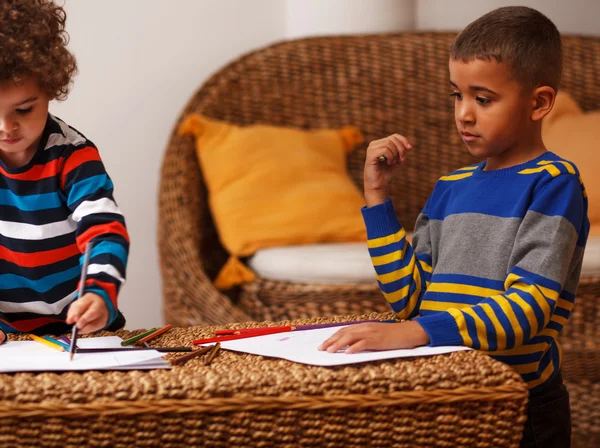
<point x="23" y="113"/>
<point x="491" y="110"/>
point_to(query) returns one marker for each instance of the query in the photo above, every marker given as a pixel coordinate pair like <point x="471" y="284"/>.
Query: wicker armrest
<point x="186" y="239"/>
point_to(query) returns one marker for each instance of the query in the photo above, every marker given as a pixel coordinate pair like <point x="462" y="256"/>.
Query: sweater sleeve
<point x="89" y="195"/>
<point x="403" y="270"/>
<point x="551" y="235"/>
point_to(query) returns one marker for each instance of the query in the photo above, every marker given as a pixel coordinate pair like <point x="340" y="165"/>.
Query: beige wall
<point x="140" y="61"/>
<point x="335" y="17"/>
<point x="570" y="16"/>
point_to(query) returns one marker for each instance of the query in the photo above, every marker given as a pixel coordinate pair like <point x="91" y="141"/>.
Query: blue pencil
<point x="56" y="341"/>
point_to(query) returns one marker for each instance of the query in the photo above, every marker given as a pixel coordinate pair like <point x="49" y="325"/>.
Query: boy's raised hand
<point x="89" y="312"/>
<point x="378" y="175"/>
<point x="376" y="336"/>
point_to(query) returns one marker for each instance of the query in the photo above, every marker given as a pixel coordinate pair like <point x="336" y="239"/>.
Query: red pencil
<point x="233" y="337"/>
<point x="252" y="330"/>
<point x="298" y="327"/>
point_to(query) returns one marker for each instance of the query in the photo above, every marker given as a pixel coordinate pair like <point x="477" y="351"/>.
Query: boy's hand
<point x="2" y="337"/>
<point x="377" y="336"/>
<point x="89" y="312"/>
<point x="378" y="174"/>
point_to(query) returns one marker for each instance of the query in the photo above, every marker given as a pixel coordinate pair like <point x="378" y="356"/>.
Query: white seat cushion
<point x="348" y="263"/>
<point x="591" y="258"/>
<point x="336" y="263"/>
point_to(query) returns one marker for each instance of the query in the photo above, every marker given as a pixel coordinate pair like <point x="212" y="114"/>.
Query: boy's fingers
<point x="403" y="145"/>
<point x="344" y="341"/>
<point x="382" y="151"/>
<point x="2" y="336"/>
<point x="333" y="339"/>
<point x="403" y="140"/>
<point x="76" y="309"/>
<point x="95" y="325"/>
<point x="329" y="341"/>
<point x="357" y="346"/>
<point x="395" y="148"/>
<point x="92" y="313"/>
<point x="389" y="155"/>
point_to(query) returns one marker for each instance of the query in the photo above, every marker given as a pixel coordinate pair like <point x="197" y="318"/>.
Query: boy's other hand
<point x="378" y="175"/>
<point x="377" y="336"/>
<point x="2" y="337"/>
<point x="89" y="313"/>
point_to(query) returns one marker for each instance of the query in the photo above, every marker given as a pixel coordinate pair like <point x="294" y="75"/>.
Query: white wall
<point x="335" y="17"/>
<point x="140" y="61"/>
<point x="570" y="17"/>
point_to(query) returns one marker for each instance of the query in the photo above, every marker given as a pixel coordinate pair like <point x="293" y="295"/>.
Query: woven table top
<point x="243" y="381"/>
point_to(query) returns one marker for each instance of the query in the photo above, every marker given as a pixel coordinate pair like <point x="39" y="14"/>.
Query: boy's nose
<point x="464" y="113"/>
<point x="7" y="125"/>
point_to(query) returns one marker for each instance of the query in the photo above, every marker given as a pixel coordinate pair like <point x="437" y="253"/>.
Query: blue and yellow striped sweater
<point x="494" y="262"/>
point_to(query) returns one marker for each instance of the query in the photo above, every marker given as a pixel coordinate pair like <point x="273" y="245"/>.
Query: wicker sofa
<point x="381" y="84"/>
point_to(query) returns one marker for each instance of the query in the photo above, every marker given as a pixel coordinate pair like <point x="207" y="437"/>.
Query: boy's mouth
<point x="468" y="137"/>
<point x="11" y="141"/>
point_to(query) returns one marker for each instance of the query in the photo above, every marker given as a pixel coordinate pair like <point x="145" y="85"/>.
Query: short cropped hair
<point x="523" y="38"/>
<point x="33" y="43"/>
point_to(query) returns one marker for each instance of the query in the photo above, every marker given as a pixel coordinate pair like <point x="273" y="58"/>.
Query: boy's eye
<point x="457" y="95"/>
<point x="482" y="100"/>
<point x="25" y="111"/>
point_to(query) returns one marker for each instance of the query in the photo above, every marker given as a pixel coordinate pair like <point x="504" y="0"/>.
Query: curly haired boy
<point x="55" y="194"/>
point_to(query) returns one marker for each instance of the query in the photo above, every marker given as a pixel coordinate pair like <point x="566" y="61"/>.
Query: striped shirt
<point x="494" y="262"/>
<point x="50" y="209"/>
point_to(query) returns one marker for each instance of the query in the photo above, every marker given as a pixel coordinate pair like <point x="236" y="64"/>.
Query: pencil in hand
<point x="84" y="268"/>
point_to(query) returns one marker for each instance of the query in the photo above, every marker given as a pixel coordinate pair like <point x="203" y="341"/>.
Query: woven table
<point x="459" y="399"/>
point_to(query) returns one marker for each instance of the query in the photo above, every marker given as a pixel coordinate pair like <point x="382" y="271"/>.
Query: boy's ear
<point x="543" y="100"/>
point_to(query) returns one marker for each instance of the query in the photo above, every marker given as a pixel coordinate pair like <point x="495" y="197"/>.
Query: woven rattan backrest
<point x="381" y="84"/>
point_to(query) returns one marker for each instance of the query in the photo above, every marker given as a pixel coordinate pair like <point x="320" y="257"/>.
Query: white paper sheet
<point x="302" y="347"/>
<point x="31" y="356"/>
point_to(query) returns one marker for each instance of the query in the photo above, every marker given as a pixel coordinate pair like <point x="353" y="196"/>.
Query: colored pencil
<point x="46" y="342"/>
<point x="155" y="334"/>
<point x="194" y="354"/>
<point x="82" y="279"/>
<point x="134" y="339"/>
<point x="130" y="349"/>
<point x="67" y="347"/>
<point x="212" y="353"/>
<point x="233" y="337"/>
<point x="298" y="327"/>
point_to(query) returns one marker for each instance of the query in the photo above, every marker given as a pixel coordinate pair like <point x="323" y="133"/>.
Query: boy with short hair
<point x="55" y="195"/>
<point x="497" y="251"/>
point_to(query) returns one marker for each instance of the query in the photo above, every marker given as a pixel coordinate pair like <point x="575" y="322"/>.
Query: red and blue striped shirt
<point x="50" y="209"/>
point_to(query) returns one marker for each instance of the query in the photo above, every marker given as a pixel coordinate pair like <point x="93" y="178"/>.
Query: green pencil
<point x="134" y="339"/>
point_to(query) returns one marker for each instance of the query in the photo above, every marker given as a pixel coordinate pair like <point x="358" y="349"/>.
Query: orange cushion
<point x="574" y="135"/>
<point x="272" y="186"/>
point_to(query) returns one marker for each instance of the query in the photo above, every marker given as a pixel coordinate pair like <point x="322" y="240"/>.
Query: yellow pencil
<point x="46" y="342"/>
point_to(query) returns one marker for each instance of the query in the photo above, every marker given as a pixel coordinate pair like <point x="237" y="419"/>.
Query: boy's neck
<point x="522" y="152"/>
<point x="21" y="158"/>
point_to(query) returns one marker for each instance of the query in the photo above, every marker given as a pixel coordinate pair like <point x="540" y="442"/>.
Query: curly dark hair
<point x="33" y="44"/>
